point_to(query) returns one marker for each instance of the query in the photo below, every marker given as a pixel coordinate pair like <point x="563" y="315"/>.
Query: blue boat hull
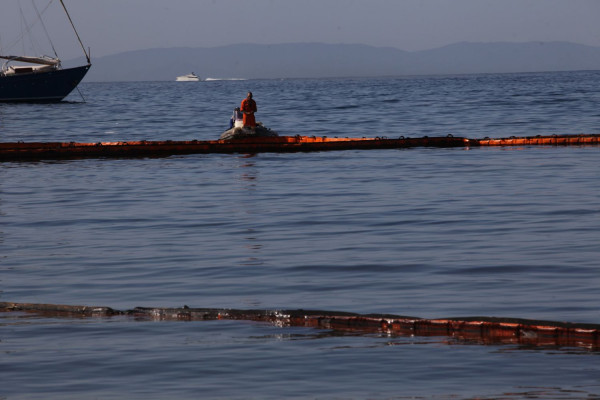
<point x="52" y="86"/>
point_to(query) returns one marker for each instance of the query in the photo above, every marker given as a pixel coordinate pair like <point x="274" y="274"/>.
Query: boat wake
<point x="225" y="79"/>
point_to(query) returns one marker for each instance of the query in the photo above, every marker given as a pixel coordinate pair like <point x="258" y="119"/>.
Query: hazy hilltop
<point x="316" y="60"/>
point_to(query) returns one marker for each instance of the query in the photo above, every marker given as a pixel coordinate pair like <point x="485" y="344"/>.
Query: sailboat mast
<point x="87" y="56"/>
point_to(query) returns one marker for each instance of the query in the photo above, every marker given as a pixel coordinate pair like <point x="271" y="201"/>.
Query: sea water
<point x="426" y="232"/>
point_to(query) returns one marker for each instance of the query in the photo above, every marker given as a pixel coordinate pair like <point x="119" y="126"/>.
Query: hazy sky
<point x="113" y="26"/>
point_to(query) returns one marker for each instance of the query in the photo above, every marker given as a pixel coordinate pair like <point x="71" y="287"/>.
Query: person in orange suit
<point x="249" y="108"/>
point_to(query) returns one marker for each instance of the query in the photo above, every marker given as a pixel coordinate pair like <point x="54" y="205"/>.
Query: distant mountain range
<point x="317" y="60"/>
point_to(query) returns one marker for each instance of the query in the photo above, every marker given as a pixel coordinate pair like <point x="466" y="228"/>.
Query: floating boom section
<point x="554" y="140"/>
<point x="481" y="330"/>
<point x="281" y="144"/>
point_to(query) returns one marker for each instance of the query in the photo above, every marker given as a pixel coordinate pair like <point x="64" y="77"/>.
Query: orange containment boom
<point x="554" y="140"/>
<point x="61" y="150"/>
<point x="481" y="330"/>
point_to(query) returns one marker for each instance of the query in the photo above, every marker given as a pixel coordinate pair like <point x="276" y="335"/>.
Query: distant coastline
<point x="318" y="60"/>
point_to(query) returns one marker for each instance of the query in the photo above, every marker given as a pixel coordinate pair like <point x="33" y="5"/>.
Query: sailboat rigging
<point x="43" y="79"/>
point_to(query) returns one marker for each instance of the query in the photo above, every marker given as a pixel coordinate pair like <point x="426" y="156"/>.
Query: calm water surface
<point x="427" y="232"/>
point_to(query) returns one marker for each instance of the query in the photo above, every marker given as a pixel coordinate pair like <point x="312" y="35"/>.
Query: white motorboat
<point x="188" y="78"/>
